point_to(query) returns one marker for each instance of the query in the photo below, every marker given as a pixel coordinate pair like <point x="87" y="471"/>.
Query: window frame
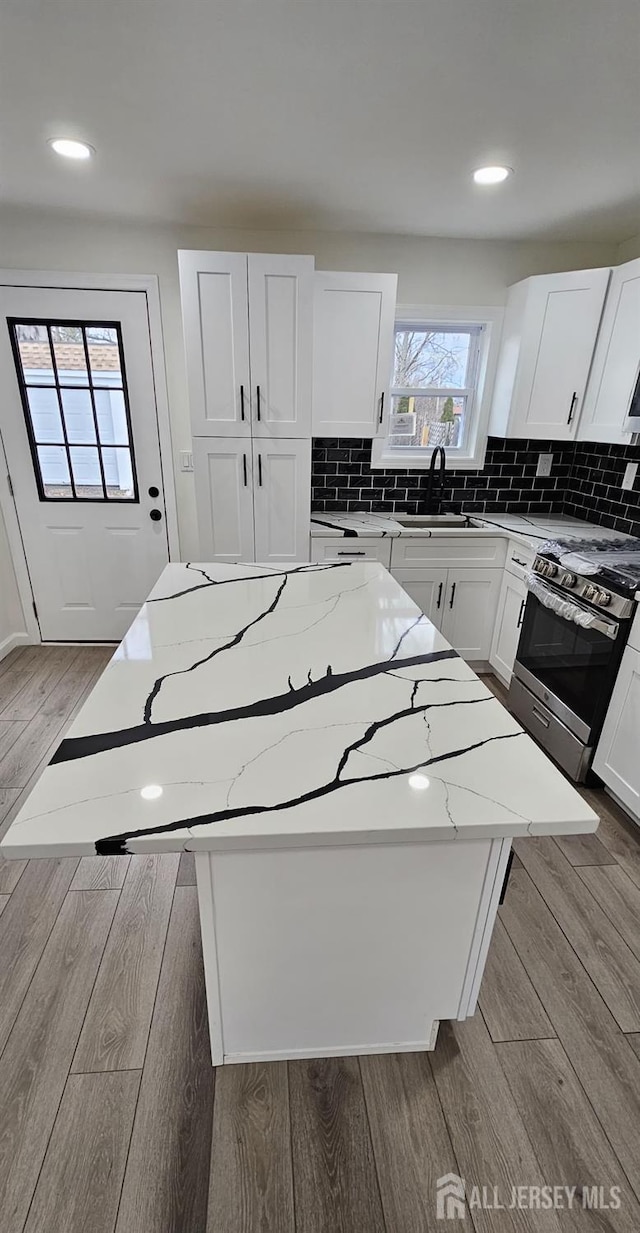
<point x="470" y="456"/>
<point x="24" y="386"/>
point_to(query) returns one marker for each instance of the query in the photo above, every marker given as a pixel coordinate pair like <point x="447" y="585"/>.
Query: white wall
<point x="431" y="271"/>
<point x="11" y="618"/>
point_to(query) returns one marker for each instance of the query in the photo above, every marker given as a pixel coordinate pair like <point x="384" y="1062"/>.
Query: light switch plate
<point x="543" y="470"/>
<point x="186" y="460"/>
<point x="630" y="475"/>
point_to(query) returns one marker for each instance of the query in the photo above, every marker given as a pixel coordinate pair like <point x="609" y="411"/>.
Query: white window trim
<point x="471" y="458"/>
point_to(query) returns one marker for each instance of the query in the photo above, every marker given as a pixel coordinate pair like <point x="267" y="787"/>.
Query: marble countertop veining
<point x="525" y="529"/>
<point x="254" y="705"/>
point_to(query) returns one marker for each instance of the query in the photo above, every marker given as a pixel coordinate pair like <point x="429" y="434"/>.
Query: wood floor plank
<point x="619" y="897"/>
<point x="81" y="1179"/>
<point x="622" y="839"/>
<point x="584" y="850"/>
<point x="4" y="899"/>
<point x="101" y="873"/>
<point x="25" y="926"/>
<point x="116" y="1029"/>
<point x="410" y="1139"/>
<point x="10" y="874"/>
<point x="165" y="1185"/>
<point x="566" y="1135"/>
<point x="611" y="964"/>
<point x="487" y="1132"/>
<point x="8" y="797"/>
<point x="9" y="732"/>
<point x="19" y="671"/>
<point x="27" y="752"/>
<point x="598" y="1051"/>
<point x="251" y="1182"/>
<point x="187" y="870"/>
<point x="335" y="1181"/>
<point x="634" y="1041"/>
<point x="29" y="699"/>
<point x="9" y="660"/>
<point x="37" y="1057"/>
<point x="509" y="1002"/>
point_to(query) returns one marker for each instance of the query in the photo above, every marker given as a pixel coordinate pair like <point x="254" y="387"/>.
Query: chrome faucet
<point x="433" y="505"/>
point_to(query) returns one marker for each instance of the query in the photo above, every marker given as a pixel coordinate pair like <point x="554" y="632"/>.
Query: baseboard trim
<point x="11" y="641"/>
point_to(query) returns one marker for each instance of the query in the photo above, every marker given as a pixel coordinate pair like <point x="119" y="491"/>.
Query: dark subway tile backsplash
<point x="585" y="482"/>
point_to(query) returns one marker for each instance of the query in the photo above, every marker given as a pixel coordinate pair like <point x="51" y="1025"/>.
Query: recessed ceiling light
<point x="418" y="781"/>
<point x="492" y="175"/>
<point x="71" y="149"/>
<point x="151" y="792"/>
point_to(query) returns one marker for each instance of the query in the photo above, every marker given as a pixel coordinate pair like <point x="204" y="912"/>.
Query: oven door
<point x="569" y="667"/>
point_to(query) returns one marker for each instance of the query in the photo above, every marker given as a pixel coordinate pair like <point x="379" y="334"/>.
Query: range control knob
<point x="551" y="569"/>
<point x="603" y="598"/>
<point x="568" y="580"/>
<point x="539" y="566"/>
<point x="589" y="591"/>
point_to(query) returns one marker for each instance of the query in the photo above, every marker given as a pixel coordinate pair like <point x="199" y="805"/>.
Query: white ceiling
<point x="351" y="114"/>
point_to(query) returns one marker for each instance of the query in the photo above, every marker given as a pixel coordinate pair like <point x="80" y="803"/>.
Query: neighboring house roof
<point x="70" y="356"/>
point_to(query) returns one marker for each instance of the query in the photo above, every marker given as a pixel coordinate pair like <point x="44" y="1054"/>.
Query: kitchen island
<point x="348" y="785"/>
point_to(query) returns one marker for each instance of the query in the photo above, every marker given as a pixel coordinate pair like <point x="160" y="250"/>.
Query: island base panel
<point x="335" y="951"/>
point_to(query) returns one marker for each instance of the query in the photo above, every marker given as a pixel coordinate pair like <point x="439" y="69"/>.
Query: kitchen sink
<point x="431" y="520"/>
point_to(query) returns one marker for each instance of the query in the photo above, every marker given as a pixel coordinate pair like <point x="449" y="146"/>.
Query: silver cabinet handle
<point x="541" y="718"/>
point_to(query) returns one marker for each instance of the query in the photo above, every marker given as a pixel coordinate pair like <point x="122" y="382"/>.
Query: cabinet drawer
<point x="412" y="551"/>
<point x="519" y="559"/>
<point x="350" y="548"/>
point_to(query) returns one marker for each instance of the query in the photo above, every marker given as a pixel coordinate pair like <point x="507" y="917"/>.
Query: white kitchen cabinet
<point x="469" y="611"/>
<point x="427" y="588"/>
<point x="549" y="335"/>
<point x="281" y="486"/>
<point x="508" y="622"/>
<point x="616" y="361"/>
<point x="354" y="316"/>
<point x="252" y="499"/>
<point x="616" y="760"/>
<point x="223" y="476"/>
<point x="248" y="331"/>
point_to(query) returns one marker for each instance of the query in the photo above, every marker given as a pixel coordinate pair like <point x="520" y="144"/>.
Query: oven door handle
<point x="569" y="609"/>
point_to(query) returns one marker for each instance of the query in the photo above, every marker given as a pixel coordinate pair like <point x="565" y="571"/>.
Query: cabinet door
<point x="616" y="759"/>
<point x="470" y="610"/>
<point x="282" y="492"/>
<point x="506" y="633"/>
<point x="353" y="352"/>
<point x="224" y="498"/>
<point x="427" y="588"/>
<point x="215" y="315"/>
<point x="559" y="336"/>
<point x="281" y="331"/>
<point x="616" y="361"/>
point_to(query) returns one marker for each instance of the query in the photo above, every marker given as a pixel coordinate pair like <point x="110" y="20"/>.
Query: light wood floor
<point x="112" y="1117"/>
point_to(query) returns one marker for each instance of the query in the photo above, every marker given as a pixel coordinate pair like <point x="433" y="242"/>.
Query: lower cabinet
<point x="616" y="760"/>
<point x="252" y="498"/>
<point x="506" y="634"/>
<point x="461" y="603"/>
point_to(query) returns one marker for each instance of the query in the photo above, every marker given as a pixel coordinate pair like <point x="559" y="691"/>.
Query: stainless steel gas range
<point x="577" y="617"/>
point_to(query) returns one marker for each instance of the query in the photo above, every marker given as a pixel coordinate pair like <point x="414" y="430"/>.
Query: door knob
<point x="155" y="515"/>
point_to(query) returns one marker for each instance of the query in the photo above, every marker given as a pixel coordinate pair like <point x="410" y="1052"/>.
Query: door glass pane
<point x="45" y="414"/>
<point x="54" y="470"/>
<point x="87" y="477"/>
<point x="35" y="354"/>
<point x="118" y="474"/>
<point x="112" y="417"/>
<point x="104" y="355"/>
<point x="51" y="364"/>
<point x="78" y="417"/>
<point x="68" y="349"/>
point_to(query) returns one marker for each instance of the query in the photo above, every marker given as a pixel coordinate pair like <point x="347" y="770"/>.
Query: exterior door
<point x="215" y="315"/>
<point x="282" y="490"/>
<point x="224" y="496"/>
<point x="281" y="340"/>
<point x="79" y="425"/>
<point x="427" y="588"/>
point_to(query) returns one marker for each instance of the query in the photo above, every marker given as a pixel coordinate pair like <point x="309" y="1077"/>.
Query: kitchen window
<point x="438" y="394"/>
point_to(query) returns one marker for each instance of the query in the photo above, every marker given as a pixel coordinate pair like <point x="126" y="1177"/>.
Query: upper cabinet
<point x="354" y="317"/>
<point x="616" y="362"/>
<point x="549" y="334"/>
<point x="248" y="330"/>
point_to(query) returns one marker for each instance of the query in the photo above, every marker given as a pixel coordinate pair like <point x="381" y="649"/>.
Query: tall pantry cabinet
<point x="248" y="328"/>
